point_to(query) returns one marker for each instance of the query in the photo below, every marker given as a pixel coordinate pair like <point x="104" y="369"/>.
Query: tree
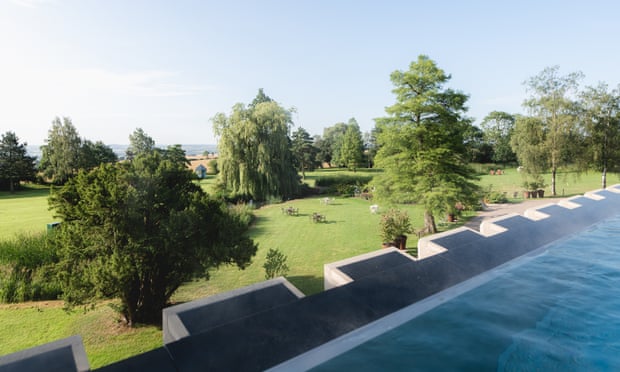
<point x="601" y="112"/>
<point x="255" y="158"/>
<point x="497" y="127"/>
<point x="94" y="154"/>
<point x="370" y="147"/>
<point x="139" y="143"/>
<point x="304" y="152"/>
<point x="528" y="142"/>
<point x="329" y="143"/>
<point x="422" y="149"/>
<point x="351" y="147"/>
<point x="15" y="164"/>
<point x="550" y="101"/>
<point x="137" y="230"/>
<point x="60" y="158"/>
<point x="478" y="150"/>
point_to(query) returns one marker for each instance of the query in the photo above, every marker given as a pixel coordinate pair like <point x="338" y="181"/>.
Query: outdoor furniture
<point x="317" y="217"/>
<point x="290" y="211"/>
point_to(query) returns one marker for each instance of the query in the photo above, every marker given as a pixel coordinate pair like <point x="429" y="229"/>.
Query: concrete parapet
<point x="67" y="354"/>
<point x="197" y="316"/>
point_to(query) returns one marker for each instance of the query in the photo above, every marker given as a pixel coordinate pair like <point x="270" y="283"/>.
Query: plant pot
<point x="534" y="194"/>
<point x="451" y="217"/>
<point x="401" y="242"/>
<point x="526" y="194"/>
<point x="541" y="193"/>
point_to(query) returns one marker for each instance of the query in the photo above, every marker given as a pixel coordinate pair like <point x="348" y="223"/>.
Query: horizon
<point x="168" y="68"/>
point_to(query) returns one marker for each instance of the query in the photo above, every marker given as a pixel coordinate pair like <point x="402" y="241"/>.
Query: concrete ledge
<point x="197" y="316"/>
<point x="345" y="271"/>
<point x="67" y="354"/>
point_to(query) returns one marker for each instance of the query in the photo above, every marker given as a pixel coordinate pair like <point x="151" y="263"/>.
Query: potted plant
<point x="394" y="226"/>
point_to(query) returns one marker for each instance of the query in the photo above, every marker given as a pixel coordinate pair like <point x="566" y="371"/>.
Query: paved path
<point x="497" y="210"/>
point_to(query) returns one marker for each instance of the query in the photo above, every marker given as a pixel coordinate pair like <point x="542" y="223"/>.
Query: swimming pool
<point x="558" y="310"/>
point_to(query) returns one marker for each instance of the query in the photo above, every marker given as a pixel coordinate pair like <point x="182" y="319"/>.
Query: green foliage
<point x="343" y="184"/>
<point x="494" y="196"/>
<point x="138" y="230"/>
<point x="139" y="143"/>
<point x="275" y="264"/>
<point x="351" y="147"/>
<point x="255" y="157"/>
<point x="212" y="167"/>
<point x="551" y="103"/>
<point x="304" y="152"/>
<point x="60" y="157"/>
<point x="94" y="154"/>
<point x="601" y="114"/>
<point x="393" y="224"/>
<point x="498" y="127"/>
<point x="15" y="164"/>
<point x="422" y="143"/>
<point x="26" y="269"/>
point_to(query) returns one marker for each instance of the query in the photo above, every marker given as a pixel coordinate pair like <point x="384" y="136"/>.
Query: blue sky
<point x="169" y="66"/>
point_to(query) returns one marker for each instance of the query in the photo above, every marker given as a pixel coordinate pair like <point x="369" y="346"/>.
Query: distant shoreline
<point x="119" y="150"/>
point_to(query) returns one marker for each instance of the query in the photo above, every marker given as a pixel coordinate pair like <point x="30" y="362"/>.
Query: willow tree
<point x="421" y="143"/>
<point x="551" y="103"/>
<point x="255" y="157"/>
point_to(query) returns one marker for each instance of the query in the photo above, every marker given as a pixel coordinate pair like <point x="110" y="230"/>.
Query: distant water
<point x="120" y="150"/>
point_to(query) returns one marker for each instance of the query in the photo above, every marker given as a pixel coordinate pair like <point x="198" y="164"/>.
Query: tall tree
<point x="351" y="147"/>
<point x="329" y="144"/>
<point x="60" y="157"/>
<point x="601" y="111"/>
<point x="422" y="149"/>
<point x="137" y="230"/>
<point x="304" y="152"/>
<point x="139" y="143"/>
<point x="497" y="127"/>
<point x="255" y="157"/>
<point x="15" y="164"/>
<point x="370" y="147"/>
<point x="94" y="154"/>
<point x="551" y="101"/>
<point x="528" y="142"/>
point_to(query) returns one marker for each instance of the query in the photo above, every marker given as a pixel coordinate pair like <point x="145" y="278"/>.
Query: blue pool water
<point x="557" y="311"/>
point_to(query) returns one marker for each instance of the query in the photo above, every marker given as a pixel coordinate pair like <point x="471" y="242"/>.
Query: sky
<point x="169" y="66"/>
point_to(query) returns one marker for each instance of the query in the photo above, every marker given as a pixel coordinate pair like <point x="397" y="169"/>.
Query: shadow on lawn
<point x="308" y="284"/>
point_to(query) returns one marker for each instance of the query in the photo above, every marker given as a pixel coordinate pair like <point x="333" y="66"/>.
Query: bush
<point x="275" y="264"/>
<point x="212" y="167"/>
<point x="493" y="196"/>
<point x="343" y="184"/>
<point x="393" y="224"/>
<point x="26" y="269"/>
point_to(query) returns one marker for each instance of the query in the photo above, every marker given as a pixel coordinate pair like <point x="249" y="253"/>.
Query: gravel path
<point x="497" y="210"/>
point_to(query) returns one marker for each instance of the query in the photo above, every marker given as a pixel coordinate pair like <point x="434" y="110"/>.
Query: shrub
<point x="393" y="224"/>
<point x="212" y="167"/>
<point x="26" y="269"/>
<point x="275" y="264"/>
<point x="343" y="184"/>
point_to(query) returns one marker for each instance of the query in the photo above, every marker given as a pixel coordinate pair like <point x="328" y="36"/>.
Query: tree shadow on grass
<point x="308" y="284"/>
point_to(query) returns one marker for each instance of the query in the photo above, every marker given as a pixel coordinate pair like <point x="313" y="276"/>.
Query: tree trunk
<point x="604" y="177"/>
<point x="429" y="222"/>
<point x="553" y="172"/>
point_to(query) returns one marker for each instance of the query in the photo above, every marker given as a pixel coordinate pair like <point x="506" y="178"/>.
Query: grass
<point x="24" y="211"/>
<point x="105" y="340"/>
<point x="350" y="230"/>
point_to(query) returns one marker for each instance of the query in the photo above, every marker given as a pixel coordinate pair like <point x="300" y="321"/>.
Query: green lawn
<point x="24" y="211"/>
<point x="350" y="230"/>
<point x="105" y="340"/>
